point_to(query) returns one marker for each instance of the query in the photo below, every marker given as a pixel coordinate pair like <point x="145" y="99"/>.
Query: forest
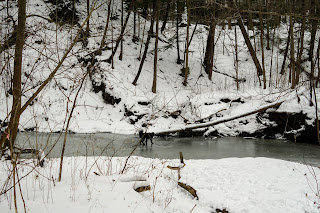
<point x="162" y="68"/>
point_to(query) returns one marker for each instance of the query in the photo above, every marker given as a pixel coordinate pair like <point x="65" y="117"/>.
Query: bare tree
<point x="145" y="48"/>
<point x="154" y="83"/>
<point x="186" y="65"/>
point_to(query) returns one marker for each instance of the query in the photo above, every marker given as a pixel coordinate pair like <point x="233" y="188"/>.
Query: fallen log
<point x="190" y="189"/>
<point x="219" y="121"/>
<point x="141" y="186"/>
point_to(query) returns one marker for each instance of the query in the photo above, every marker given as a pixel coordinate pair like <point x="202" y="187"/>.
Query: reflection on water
<point x="108" y="144"/>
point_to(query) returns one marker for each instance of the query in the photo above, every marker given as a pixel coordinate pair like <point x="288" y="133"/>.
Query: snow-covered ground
<point x="94" y="184"/>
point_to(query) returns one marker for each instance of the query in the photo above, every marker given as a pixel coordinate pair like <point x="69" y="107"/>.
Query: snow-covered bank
<point x="94" y="185"/>
<point x="173" y="106"/>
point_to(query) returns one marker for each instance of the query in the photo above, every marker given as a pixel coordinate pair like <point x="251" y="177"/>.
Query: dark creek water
<point x="108" y="144"/>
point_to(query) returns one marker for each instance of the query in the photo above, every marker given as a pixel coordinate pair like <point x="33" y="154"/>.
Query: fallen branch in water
<point x="219" y="121"/>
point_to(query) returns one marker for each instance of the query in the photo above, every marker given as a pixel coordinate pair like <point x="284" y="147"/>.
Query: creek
<point x="108" y="144"/>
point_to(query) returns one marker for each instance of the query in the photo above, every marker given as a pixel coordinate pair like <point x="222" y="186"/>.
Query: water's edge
<point x="108" y="144"/>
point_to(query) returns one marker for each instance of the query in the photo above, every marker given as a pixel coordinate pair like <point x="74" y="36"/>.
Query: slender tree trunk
<point x="292" y="58"/>
<point x="208" y="59"/>
<point x="314" y="27"/>
<point x="134" y="23"/>
<point x="271" y="60"/>
<point x="105" y="28"/>
<point x="299" y="59"/>
<point x="317" y="117"/>
<point x="88" y="22"/>
<point x="237" y="60"/>
<point x="286" y="53"/>
<point x="318" y="59"/>
<point x="12" y="130"/>
<point x="179" y="61"/>
<point x="250" y="23"/>
<point x="247" y="40"/>
<point x="145" y="48"/>
<point x="262" y="50"/>
<point x="186" y="71"/>
<point x="166" y="16"/>
<point x="268" y="30"/>
<point x="154" y="83"/>
<point x="141" y="43"/>
<point x="119" y="39"/>
<point x="9" y="137"/>
<point x="68" y="124"/>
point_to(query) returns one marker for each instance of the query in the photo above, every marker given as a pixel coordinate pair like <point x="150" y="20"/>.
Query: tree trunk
<point x="105" y="28"/>
<point x="208" y="58"/>
<point x="286" y="53"/>
<point x="88" y="22"/>
<point x="154" y="83"/>
<point x="302" y="31"/>
<point x="166" y="16"/>
<point x="134" y="23"/>
<point x="262" y="50"/>
<point x="318" y="59"/>
<point x="268" y="30"/>
<point x="314" y="26"/>
<point x="179" y="61"/>
<point x="237" y="60"/>
<point x="292" y="58"/>
<point x="247" y="40"/>
<point x="145" y="48"/>
<point x="8" y="139"/>
<point x="186" y="71"/>
<point x="119" y="39"/>
<point x="48" y="79"/>
<point x="250" y="23"/>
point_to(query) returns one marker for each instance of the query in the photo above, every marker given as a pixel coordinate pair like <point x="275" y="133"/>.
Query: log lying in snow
<point x="140" y="182"/>
<point x="141" y="186"/>
<point x="134" y="177"/>
<point x="191" y="190"/>
<point x="219" y="121"/>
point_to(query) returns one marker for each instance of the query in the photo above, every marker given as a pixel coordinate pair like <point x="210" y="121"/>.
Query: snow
<point x="199" y="99"/>
<point x="237" y="184"/>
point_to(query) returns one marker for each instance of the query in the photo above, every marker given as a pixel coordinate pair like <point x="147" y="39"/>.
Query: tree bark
<point x="247" y="40"/>
<point x="292" y="58"/>
<point x="262" y="50"/>
<point x="154" y="83"/>
<point x="186" y="71"/>
<point x="314" y="26"/>
<point x="286" y="53"/>
<point x="105" y="28"/>
<point x="121" y="40"/>
<point x="88" y="21"/>
<point x="179" y="61"/>
<point x="166" y="16"/>
<point x="145" y="48"/>
<point x="237" y="58"/>
<point x="8" y="139"/>
<point x="122" y="32"/>
<point x="208" y="58"/>
<point x="302" y="31"/>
